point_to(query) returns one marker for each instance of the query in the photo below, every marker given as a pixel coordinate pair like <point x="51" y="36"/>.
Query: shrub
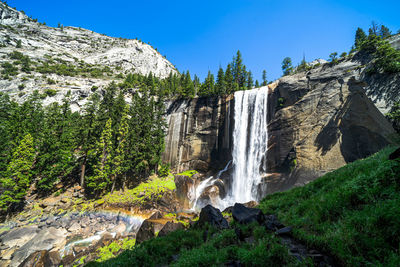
<point x="50" y="81"/>
<point x="50" y="92"/>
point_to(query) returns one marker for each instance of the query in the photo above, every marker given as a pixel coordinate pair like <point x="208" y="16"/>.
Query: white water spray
<point x="250" y="140"/>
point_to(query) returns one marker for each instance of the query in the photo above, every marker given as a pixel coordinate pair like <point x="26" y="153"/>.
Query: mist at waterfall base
<point x="250" y="140"/>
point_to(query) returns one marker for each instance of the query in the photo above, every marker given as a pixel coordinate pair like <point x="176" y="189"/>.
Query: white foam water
<point x="250" y="140"/>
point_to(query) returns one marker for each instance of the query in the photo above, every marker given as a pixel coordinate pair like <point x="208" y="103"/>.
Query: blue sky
<point x="202" y="35"/>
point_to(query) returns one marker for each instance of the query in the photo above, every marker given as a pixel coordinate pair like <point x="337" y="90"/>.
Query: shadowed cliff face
<point x="199" y="133"/>
<point x="317" y="122"/>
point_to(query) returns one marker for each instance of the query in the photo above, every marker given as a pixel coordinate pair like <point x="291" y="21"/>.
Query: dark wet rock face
<point x="244" y="215"/>
<point x="213" y="217"/>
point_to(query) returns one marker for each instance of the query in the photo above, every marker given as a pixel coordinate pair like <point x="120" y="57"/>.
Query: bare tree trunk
<point x="83" y="169"/>
<point x="113" y="178"/>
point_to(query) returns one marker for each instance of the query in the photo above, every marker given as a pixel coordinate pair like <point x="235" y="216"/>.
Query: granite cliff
<point x="63" y="59"/>
<point x="318" y="121"/>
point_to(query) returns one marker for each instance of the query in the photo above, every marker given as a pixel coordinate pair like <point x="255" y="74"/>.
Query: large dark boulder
<point x="272" y="223"/>
<point x="244" y="215"/>
<point x="170" y="227"/>
<point x="213" y="217"/>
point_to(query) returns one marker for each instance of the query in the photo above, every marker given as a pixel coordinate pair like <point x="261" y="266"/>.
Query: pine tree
<point x="264" y="78"/>
<point x="250" y="81"/>
<point x="208" y="87"/>
<point x="229" y="79"/>
<point x="373" y="29"/>
<point x="100" y="180"/>
<point x="385" y="32"/>
<point x="189" y="86"/>
<point x="17" y="178"/>
<point x="237" y="70"/>
<point x="360" y="38"/>
<point x="257" y="84"/>
<point x="88" y="132"/>
<point x="220" y="86"/>
<point x="118" y="163"/>
<point x="287" y="66"/>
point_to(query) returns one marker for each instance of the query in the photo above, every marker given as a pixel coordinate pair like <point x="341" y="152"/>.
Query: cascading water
<point x="250" y="140"/>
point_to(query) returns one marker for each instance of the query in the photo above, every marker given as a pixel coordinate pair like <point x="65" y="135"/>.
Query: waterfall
<point x="250" y="140"/>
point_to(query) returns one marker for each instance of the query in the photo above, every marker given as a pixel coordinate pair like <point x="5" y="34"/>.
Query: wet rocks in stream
<point x="44" y="240"/>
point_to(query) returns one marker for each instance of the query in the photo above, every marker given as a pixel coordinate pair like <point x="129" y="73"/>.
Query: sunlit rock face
<point x="199" y="133"/>
<point x="75" y="47"/>
<point x="321" y="120"/>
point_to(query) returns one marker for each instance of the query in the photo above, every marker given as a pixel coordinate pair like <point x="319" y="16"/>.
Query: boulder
<point x="213" y="217"/>
<point x="52" y="258"/>
<point x="35" y="259"/>
<point x="184" y="185"/>
<point x="272" y="223"/>
<point x="146" y="232"/>
<point x="46" y="239"/>
<point x="395" y="155"/>
<point x="244" y="215"/>
<point x="74" y="227"/>
<point x="156" y="215"/>
<point x="284" y="231"/>
<point x="42" y="258"/>
<point x="19" y="236"/>
<point x="170" y="227"/>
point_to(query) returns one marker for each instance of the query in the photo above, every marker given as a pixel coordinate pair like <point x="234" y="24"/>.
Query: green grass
<point x="352" y="213"/>
<point x="188" y="173"/>
<point x="220" y="247"/>
<point x="152" y="188"/>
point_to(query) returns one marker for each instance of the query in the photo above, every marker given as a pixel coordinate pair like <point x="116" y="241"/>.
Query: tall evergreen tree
<point x="250" y="81"/>
<point x="220" y="86"/>
<point x="287" y="66"/>
<point x="257" y="85"/>
<point x="119" y="165"/>
<point x="189" y="86"/>
<point x="264" y="78"/>
<point x="239" y="76"/>
<point x="100" y="180"/>
<point x="88" y="131"/>
<point x="385" y="32"/>
<point x="17" y="178"/>
<point x="360" y="38"/>
<point x="229" y="81"/>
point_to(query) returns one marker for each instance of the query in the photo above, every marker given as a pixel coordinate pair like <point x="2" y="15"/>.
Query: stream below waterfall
<point x="250" y="140"/>
<point x="69" y="234"/>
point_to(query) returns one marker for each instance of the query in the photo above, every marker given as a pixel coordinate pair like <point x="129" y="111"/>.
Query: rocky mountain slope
<point x="67" y="58"/>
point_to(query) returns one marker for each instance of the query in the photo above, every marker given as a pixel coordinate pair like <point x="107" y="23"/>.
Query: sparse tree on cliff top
<point x="287" y="66"/>
<point x="264" y="78"/>
<point x="360" y="38"/>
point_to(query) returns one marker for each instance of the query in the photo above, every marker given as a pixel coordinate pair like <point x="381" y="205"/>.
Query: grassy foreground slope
<point x="352" y="213"/>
